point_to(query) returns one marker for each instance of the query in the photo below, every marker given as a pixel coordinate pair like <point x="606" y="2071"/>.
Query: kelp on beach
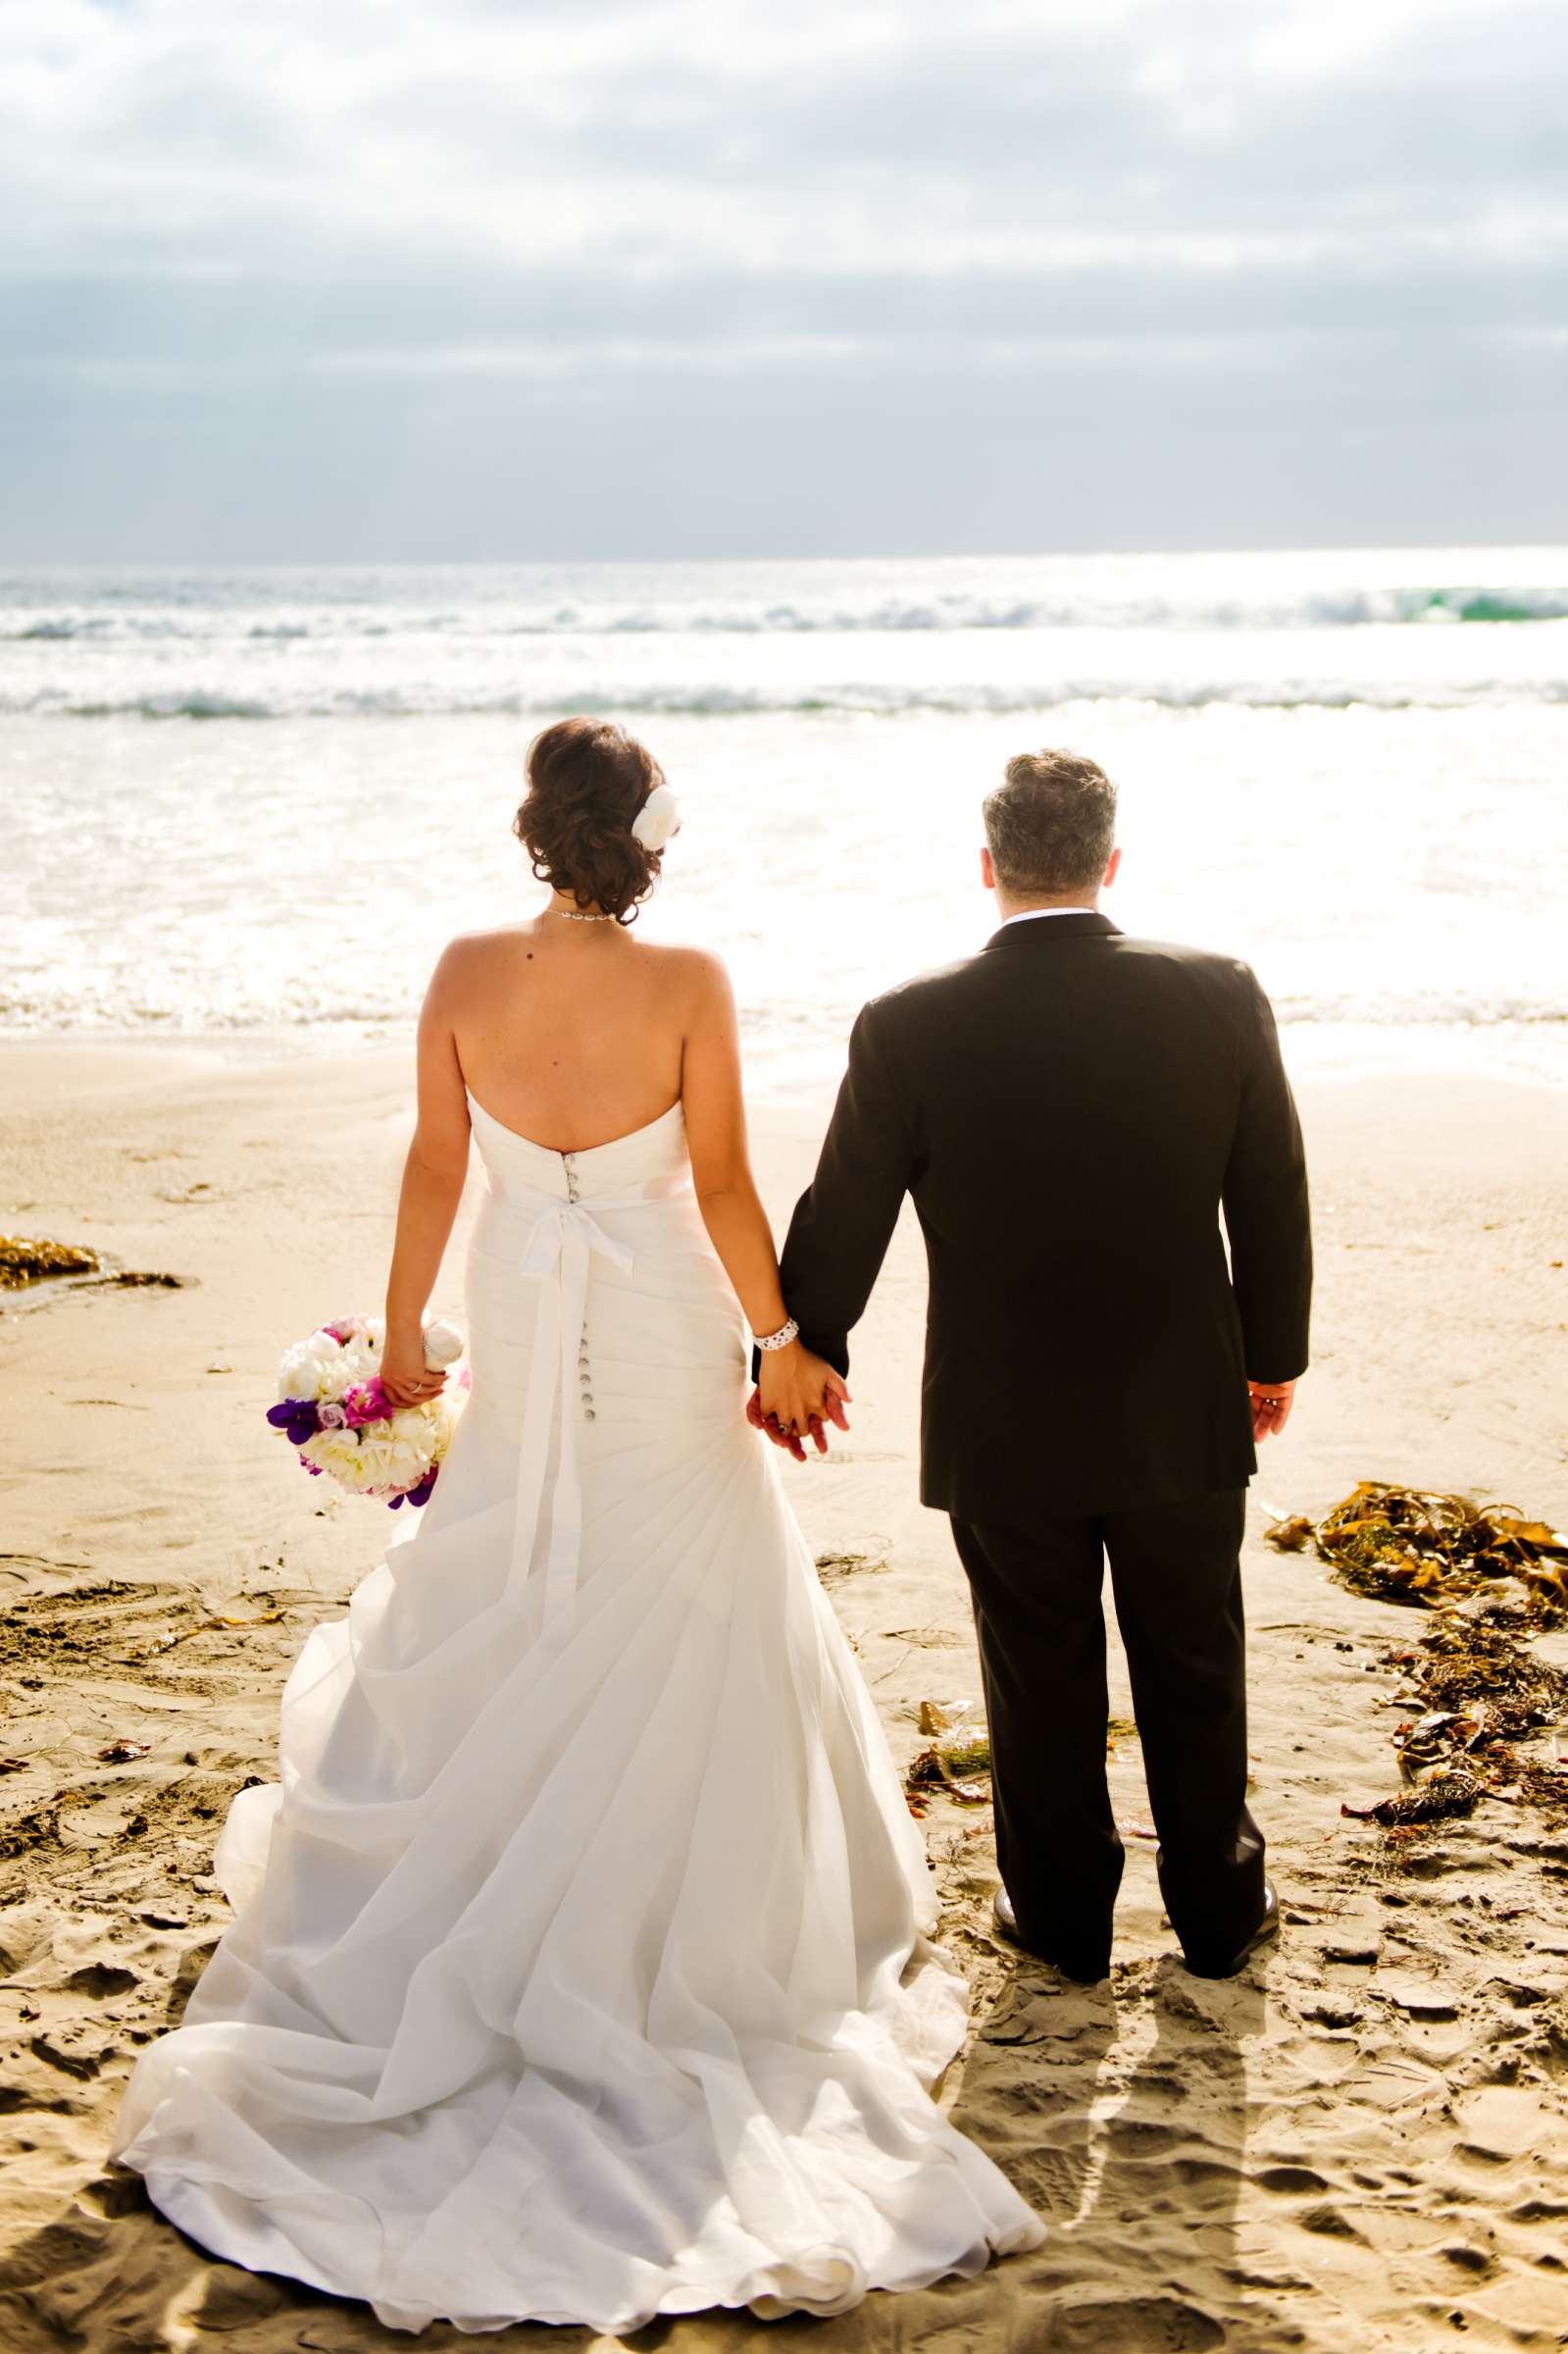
<point x="1413" y="1545"/>
<point x="1491" y="1577"/>
<point x="1482" y="1692"/>
<point x="24" y="1260"/>
<point x="961" y="1749"/>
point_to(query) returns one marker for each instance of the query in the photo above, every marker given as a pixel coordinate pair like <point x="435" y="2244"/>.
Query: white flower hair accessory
<point x="657" y="819"/>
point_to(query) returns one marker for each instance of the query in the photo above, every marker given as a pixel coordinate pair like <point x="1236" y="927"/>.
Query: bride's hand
<point x="797" y="1393"/>
<point x="405" y="1376"/>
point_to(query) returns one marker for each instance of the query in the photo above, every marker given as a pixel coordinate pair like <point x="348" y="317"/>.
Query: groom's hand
<point x="1272" y="1401"/>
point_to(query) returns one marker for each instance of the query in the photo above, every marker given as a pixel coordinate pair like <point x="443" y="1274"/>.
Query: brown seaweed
<point x="1416" y="1546"/>
<point x="1476" y="1668"/>
<point x="1484" y="1690"/>
<point x="960" y="1751"/>
<point x="946" y="1765"/>
<point x="1545" y="1785"/>
<point x="1436" y="1801"/>
<point x="23" y="1261"/>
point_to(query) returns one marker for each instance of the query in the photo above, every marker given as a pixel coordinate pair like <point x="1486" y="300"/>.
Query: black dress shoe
<point x="1004" y="1920"/>
<point x="1266" y="1929"/>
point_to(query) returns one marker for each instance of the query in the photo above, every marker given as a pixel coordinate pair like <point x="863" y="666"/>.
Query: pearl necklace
<point x="569" y="915"/>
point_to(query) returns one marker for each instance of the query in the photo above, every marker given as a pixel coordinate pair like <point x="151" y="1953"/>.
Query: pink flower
<point x="366" y="1403"/>
<point x="331" y="1415"/>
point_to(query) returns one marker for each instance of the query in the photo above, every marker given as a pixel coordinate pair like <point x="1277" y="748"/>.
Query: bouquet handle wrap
<point x="443" y="1345"/>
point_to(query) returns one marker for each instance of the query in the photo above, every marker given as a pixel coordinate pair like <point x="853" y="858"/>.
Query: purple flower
<point x="420" y="1493"/>
<point x="331" y="1415"/>
<point x="297" y="1417"/>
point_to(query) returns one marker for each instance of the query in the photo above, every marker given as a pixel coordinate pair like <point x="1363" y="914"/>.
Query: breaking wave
<point x="1065" y="609"/>
<point x="877" y="699"/>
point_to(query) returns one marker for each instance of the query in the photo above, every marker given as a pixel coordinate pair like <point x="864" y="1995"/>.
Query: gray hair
<point x="1050" y="824"/>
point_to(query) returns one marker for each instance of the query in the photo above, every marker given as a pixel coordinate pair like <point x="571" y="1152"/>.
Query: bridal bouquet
<point x="332" y="1408"/>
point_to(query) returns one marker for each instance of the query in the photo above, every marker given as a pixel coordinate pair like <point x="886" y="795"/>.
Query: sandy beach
<point x="1361" y="2143"/>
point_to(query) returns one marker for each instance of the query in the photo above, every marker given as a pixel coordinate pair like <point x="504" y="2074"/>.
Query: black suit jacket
<point x="1072" y="1110"/>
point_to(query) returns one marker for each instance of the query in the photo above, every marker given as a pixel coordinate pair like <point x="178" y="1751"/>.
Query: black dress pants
<point x="1177" y="1582"/>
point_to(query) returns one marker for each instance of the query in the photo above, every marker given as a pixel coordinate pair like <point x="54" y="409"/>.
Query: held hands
<point x="797" y="1393"/>
<point x="1272" y="1401"/>
<point x="405" y="1376"/>
<point x="788" y="1440"/>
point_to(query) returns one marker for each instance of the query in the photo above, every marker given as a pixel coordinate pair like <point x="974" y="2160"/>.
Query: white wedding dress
<point x="578" y="1970"/>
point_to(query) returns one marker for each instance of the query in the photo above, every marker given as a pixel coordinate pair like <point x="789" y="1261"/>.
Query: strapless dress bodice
<point x="648" y="1163"/>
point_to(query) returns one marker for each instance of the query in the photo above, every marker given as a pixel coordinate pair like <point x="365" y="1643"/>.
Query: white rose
<point x="337" y="1453"/>
<point x="302" y="1374"/>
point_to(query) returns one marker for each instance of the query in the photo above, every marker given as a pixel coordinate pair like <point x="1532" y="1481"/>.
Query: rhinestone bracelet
<point x="787" y="1331"/>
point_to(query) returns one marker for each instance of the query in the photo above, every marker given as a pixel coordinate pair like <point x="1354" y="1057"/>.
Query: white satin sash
<point x="562" y="1239"/>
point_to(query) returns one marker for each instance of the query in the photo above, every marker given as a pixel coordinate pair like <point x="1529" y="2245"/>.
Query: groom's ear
<point x="987" y="872"/>
<point x="1112" y="867"/>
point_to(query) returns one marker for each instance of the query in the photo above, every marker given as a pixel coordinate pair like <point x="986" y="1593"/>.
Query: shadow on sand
<point x="1122" y="2115"/>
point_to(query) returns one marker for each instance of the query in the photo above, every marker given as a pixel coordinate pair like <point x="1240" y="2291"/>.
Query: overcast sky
<point x="316" y="280"/>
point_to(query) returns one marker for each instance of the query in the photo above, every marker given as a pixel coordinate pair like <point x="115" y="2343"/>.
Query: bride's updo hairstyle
<point x="587" y="780"/>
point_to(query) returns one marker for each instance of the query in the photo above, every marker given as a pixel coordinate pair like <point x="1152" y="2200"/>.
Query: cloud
<point x="1167" y="210"/>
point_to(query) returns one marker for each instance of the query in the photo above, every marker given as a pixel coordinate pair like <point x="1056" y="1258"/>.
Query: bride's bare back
<point x="572" y="1033"/>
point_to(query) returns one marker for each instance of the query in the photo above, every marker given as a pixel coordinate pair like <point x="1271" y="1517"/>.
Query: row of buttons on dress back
<point x="585" y="1378"/>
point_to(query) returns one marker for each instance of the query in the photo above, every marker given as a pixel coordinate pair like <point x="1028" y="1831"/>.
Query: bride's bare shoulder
<point x="695" y="973"/>
<point x="474" y="955"/>
<point x="503" y="938"/>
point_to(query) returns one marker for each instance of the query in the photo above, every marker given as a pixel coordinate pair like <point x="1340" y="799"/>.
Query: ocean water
<point x="254" y="805"/>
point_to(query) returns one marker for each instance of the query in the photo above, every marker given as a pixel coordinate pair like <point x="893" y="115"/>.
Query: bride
<point x="578" y="1970"/>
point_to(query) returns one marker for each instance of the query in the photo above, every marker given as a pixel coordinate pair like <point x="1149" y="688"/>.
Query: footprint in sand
<point x="1152" y="2325"/>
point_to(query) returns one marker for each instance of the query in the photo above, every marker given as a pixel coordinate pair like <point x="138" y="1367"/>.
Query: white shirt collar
<point x="1030" y="915"/>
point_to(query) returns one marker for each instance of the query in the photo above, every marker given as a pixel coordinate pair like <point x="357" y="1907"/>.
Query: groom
<point x="1073" y="1111"/>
